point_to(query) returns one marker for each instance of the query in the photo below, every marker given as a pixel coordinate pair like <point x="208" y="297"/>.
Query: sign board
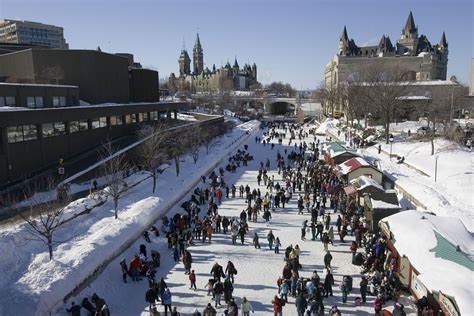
<point x="417" y="287"/>
<point x="404" y="271"/>
<point x="447" y="305"/>
<point x="61" y="170"/>
<point x="384" y="229"/>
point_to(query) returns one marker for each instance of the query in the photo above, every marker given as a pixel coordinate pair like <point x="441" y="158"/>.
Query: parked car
<point x="424" y="130"/>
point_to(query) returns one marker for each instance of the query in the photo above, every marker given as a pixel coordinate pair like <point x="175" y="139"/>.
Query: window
<point x="116" y="120"/>
<point x="30" y="132"/>
<point x="59" y="101"/>
<point x="95" y="123"/>
<point x="15" y="134"/>
<point x="133" y="118"/>
<point x="59" y="128"/>
<point x="154" y="116"/>
<point x="34" y="102"/>
<point x="103" y="121"/>
<point x="73" y="126"/>
<point x="48" y="130"/>
<point x="83" y="125"/>
<point x="119" y="119"/>
<point x="145" y="116"/>
<point x="2" y="101"/>
<point x="140" y="117"/>
<point x="127" y="119"/>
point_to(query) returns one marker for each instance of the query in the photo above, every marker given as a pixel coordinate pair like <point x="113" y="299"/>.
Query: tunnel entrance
<point x="280" y="108"/>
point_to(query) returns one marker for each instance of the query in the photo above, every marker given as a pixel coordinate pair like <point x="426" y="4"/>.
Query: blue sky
<point x="289" y="40"/>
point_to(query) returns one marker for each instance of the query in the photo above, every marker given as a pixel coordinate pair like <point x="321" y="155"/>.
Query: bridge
<point x="273" y="105"/>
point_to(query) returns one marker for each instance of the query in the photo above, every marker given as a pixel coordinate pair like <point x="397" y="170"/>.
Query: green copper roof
<point x="445" y="250"/>
<point x="184" y="55"/>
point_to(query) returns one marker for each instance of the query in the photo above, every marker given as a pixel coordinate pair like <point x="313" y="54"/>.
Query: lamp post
<point x="369" y="117"/>
<point x="436" y="167"/>
<point x="391" y="142"/>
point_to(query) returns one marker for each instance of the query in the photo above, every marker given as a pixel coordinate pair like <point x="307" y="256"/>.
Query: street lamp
<point x="436" y="167"/>
<point x="390" y="139"/>
<point x="369" y="117"/>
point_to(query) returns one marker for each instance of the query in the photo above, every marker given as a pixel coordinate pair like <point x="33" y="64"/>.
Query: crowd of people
<point x="325" y="211"/>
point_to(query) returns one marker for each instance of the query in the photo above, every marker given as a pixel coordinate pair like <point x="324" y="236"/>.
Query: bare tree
<point x="193" y="141"/>
<point x="45" y="217"/>
<point x="113" y="171"/>
<point x="384" y="87"/>
<point x="330" y="96"/>
<point x="151" y="153"/>
<point x="209" y="132"/>
<point x="176" y="146"/>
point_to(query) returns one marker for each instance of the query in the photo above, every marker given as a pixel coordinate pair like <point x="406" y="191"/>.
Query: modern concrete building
<point x="32" y="33"/>
<point x="101" y="77"/>
<point x="34" y="138"/>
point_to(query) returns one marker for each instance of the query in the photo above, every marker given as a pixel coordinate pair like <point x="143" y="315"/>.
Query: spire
<point x="443" y="43"/>
<point x="410" y="27"/>
<point x="344" y="36"/>
<point x="197" y="44"/>
<point x="236" y="64"/>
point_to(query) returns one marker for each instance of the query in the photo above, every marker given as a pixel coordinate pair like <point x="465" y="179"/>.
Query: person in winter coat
<point x="256" y="243"/>
<point x="87" y="305"/>
<point x="277" y="245"/>
<point x="209" y="310"/>
<point x="192" y="279"/>
<point x="228" y="288"/>
<point x="284" y="290"/>
<point x="328" y="283"/>
<point x="75" y="310"/>
<point x="278" y="304"/>
<point x="304" y="225"/>
<point x="270" y="239"/>
<point x="196" y="313"/>
<point x="125" y="271"/>
<point x="218" y="290"/>
<point x="246" y="307"/>
<point x="363" y="288"/>
<point x="161" y="289"/>
<point x="353" y="249"/>
<point x="345" y="289"/>
<point x="331" y="235"/>
<point x="187" y="261"/>
<point x="325" y="240"/>
<point x="397" y="310"/>
<point x="166" y="300"/>
<point x="150" y="297"/>
<point x="135" y="267"/>
<point x="230" y="270"/>
<point x="378" y="304"/>
<point x="217" y="272"/>
<point x="301" y="304"/>
<point x="175" y="312"/>
<point x="334" y="311"/>
<point x="327" y="260"/>
<point x="232" y="309"/>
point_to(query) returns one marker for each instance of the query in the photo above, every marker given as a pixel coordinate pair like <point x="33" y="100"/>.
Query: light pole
<point x="436" y="167"/>
<point x="369" y="117"/>
<point x="391" y="142"/>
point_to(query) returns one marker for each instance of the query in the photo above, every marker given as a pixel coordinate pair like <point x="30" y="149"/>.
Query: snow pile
<point x="329" y="123"/>
<point x="414" y="237"/>
<point x="34" y="285"/>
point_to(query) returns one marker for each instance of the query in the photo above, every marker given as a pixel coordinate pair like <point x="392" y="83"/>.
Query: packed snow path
<point x="258" y="269"/>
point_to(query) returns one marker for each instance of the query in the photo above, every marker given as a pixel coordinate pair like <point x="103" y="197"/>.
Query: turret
<point x="184" y="63"/>
<point x="198" y="56"/>
<point x="443" y="44"/>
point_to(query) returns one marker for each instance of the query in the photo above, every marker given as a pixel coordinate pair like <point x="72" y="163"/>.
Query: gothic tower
<point x="198" y="57"/>
<point x="408" y="42"/>
<point x="184" y="63"/>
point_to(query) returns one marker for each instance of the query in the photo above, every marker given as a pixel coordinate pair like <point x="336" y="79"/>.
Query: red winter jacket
<point x="277" y="305"/>
<point x="135" y="263"/>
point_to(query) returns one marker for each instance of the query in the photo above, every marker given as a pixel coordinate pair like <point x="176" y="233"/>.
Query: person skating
<point x="378" y="304"/>
<point x="75" y="310"/>
<point x="187" y="261"/>
<point x="209" y="310"/>
<point x="270" y="239"/>
<point x="277" y="245"/>
<point x="87" y="305"/>
<point x="246" y="307"/>
<point x="218" y="291"/>
<point x="217" y="272"/>
<point x="256" y="243"/>
<point x="334" y="311"/>
<point x="166" y="300"/>
<point x="150" y="297"/>
<point x="304" y="225"/>
<point x="398" y="310"/>
<point x="301" y="304"/>
<point x="325" y="240"/>
<point x="363" y="288"/>
<point x="327" y="260"/>
<point x="328" y="283"/>
<point x="192" y="280"/>
<point x="230" y="270"/>
<point x="125" y="270"/>
<point x="345" y="288"/>
<point x="278" y="304"/>
<point x="228" y="289"/>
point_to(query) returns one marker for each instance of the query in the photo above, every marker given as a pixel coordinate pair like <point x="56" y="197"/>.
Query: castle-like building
<point x="202" y="79"/>
<point x="412" y="52"/>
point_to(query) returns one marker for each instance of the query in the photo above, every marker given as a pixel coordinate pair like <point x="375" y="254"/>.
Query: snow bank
<point x="327" y="124"/>
<point x="414" y="234"/>
<point x="34" y="285"/>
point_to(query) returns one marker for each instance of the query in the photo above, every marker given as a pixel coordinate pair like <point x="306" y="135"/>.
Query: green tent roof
<point x="445" y="250"/>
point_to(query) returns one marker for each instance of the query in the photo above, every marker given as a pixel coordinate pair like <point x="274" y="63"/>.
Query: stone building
<point x="412" y="52"/>
<point x="202" y="79"/>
